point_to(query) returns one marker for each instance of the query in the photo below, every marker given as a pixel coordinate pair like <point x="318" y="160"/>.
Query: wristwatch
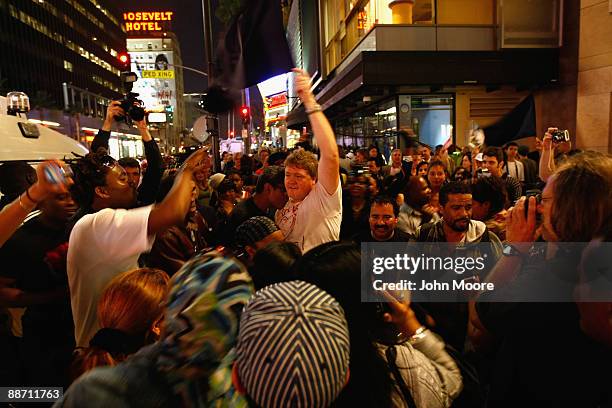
<point x="313" y="108"/>
<point x="419" y="334"/>
<point x="510" y="250"/>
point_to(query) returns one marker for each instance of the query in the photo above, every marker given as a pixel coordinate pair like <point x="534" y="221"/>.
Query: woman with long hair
<point x="437" y="175"/>
<point x="421" y="371"/>
<point x="130" y="313"/>
<point x="190" y="365"/>
<point x="466" y="162"/>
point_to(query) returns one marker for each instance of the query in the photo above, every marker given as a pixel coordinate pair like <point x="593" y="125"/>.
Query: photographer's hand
<point x="144" y="130"/>
<point x="402" y="315"/>
<point x="547" y="139"/>
<point x="114" y="109"/>
<point x="547" y="162"/>
<point x="520" y="231"/>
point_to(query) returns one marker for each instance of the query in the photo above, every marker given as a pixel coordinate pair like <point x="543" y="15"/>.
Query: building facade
<point x="48" y="43"/>
<point x="435" y="68"/>
<point x="594" y="111"/>
<point x="156" y="59"/>
<point x="65" y="56"/>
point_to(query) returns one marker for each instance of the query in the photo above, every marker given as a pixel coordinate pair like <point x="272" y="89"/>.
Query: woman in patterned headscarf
<point x="190" y="365"/>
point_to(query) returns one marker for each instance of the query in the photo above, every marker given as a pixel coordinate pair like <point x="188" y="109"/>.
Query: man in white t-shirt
<point x="109" y="239"/>
<point x="513" y="166"/>
<point x="313" y="214"/>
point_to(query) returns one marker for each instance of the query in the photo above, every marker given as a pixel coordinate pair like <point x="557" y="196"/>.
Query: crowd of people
<point x="188" y="287"/>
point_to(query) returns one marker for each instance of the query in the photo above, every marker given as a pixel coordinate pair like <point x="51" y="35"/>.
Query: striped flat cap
<point x="293" y="347"/>
<point x="254" y="230"/>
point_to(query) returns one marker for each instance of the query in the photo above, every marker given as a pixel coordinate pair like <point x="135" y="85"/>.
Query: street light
<point x="197" y="71"/>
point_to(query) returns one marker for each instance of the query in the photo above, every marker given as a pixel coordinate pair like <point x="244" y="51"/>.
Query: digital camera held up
<point x="133" y="108"/>
<point x="560" y="136"/>
<point x="131" y="105"/>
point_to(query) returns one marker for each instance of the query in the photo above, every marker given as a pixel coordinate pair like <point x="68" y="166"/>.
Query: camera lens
<point x="137" y="113"/>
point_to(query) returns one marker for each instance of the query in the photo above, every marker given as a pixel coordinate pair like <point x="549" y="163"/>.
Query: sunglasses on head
<point x="107" y="161"/>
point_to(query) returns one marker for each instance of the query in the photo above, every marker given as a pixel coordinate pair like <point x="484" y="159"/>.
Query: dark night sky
<point x="187" y="25"/>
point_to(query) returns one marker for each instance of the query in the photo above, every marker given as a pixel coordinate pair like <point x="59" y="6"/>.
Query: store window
<point x="430" y="117"/>
<point x="376" y="124"/>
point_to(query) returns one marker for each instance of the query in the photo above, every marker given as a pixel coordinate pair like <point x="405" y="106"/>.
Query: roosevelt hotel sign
<point x="147" y="20"/>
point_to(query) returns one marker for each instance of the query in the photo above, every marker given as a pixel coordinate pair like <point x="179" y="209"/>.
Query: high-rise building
<point x="45" y="44"/>
<point x="155" y="57"/>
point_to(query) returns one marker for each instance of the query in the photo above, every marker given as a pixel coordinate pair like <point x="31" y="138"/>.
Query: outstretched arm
<point x="547" y="156"/>
<point x="329" y="160"/>
<point x="152" y="178"/>
<point x="14" y="213"/>
<point x="174" y="208"/>
<point x="103" y="136"/>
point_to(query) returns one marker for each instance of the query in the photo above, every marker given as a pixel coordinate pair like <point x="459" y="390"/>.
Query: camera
<point x="538" y="196"/>
<point x="359" y="170"/>
<point x="560" y="136"/>
<point x="484" y="172"/>
<point x="133" y="108"/>
<point x="131" y="105"/>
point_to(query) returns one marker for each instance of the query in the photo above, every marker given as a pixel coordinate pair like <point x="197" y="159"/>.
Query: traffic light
<point x="124" y="60"/>
<point x="245" y="114"/>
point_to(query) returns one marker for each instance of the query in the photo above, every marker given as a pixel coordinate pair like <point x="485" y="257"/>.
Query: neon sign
<point x="145" y="20"/>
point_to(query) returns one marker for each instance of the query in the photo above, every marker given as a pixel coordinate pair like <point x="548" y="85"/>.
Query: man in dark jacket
<point x="383" y="221"/>
<point x="530" y="167"/>
<point x="147" y="192"/>
<point x="471" y="238"/>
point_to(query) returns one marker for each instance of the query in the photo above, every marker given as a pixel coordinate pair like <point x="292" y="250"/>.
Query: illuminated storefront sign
<point x="146" y="21"/>
<point x="277" y="100"/>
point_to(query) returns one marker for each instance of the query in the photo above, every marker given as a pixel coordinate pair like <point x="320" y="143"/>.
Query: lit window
<point x="67" y="66"/>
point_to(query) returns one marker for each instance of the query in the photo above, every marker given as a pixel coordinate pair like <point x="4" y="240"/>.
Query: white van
<point x="23" y="140"/>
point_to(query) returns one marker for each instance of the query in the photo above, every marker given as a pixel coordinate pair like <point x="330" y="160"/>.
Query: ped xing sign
<point x="166" y="74"/>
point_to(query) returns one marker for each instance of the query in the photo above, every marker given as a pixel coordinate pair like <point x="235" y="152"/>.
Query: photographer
<point x="541" y="347"/>
<point x="552" y="153"/>
<point x="152" y="178"/>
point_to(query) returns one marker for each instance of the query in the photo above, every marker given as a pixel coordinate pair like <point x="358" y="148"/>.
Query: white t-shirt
<point x="515" y="169"/>
<point x="314" y="220"/>
<point x="101" y="246"/>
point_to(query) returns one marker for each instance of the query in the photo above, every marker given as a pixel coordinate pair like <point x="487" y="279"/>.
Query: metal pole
<point x="208" y="36"/>
<point x="245" y="125"/>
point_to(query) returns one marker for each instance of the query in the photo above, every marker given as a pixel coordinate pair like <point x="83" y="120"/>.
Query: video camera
<point x="131" y="105"/>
